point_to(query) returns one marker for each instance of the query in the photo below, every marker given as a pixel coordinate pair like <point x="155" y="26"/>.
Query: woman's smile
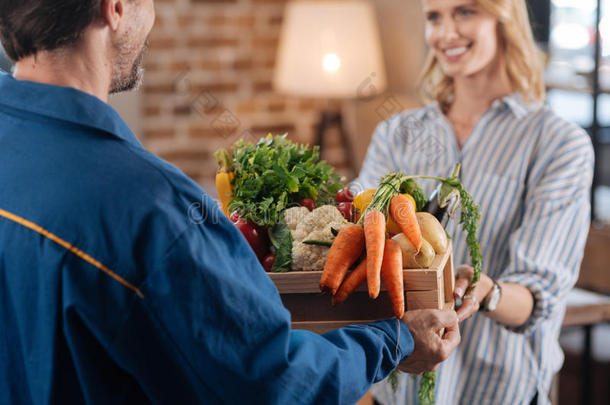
<point x="454" y="54"/>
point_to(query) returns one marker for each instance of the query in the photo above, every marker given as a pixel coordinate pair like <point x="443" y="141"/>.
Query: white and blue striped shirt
<point x="530" y="172"/>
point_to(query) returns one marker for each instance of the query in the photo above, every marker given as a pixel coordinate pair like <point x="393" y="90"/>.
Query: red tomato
<point x="256" y="236"/>
<point x="268" y="261"/>
<point x="308" y="203"/>
<point x="347" y="210"/>
<point x="235" y="217"/>
<point x="344" y="195"/>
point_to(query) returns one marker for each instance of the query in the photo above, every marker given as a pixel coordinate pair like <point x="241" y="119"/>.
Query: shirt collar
<point x="514" y="102"/>
<point x="63" y="103"/>
<point x="517" y="104"/>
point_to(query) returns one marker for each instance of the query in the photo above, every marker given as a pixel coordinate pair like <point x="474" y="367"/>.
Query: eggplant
<point x="444" y="200"/>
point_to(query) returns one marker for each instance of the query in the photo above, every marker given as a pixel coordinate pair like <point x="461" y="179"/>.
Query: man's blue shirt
<point x="122" y="282"/>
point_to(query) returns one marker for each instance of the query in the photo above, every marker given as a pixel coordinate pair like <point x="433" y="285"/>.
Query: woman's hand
<point x="513" y="310"/>
<point x="472" y="301"/>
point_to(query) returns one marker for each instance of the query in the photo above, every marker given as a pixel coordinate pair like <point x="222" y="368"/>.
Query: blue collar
<point x="63" y="103"/>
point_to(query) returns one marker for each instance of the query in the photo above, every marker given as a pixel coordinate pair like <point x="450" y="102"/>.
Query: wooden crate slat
<point x="449" y="279"/>
<point x="425" y="299"/>
<point x="422" y="279"/>
<point x="317" y="307"/>
<point x="309" y="281"/>
<point x="297" y="281"/>
<point x="326" y="326"/>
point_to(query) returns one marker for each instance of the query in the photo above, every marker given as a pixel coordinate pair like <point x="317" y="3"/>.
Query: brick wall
<point x="208" y="83"/>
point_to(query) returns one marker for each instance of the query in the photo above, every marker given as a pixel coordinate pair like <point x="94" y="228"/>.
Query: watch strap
<point x="494" y="295"/>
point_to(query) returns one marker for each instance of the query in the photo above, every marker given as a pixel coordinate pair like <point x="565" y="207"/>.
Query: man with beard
<point x="108" y="293"/>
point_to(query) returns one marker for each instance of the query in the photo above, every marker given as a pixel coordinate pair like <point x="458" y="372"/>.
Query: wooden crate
<point x="312" y="310"/>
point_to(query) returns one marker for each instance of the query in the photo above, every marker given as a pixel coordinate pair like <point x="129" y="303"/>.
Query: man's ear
<point x="111" y="12"/>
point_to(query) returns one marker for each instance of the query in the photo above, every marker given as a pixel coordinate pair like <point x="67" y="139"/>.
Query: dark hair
<point x="30" y="26"/>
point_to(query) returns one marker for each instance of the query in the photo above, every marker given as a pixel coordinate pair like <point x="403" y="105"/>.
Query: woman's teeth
<point x="456" y="51"/>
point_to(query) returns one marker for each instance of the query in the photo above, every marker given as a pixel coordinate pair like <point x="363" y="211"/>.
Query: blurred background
<point x="221" y="70"/>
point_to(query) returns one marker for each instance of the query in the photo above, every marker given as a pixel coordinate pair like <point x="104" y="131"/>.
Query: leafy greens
<point x="274" y="174"/>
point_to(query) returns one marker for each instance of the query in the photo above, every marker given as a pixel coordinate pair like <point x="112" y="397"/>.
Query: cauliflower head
<point x="318" y="219"/>
<point x="316" y="225"/>
<point x="294" y="215"/>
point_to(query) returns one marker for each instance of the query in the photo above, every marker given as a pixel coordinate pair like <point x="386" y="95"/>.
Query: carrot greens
<point x="390" y="186"/>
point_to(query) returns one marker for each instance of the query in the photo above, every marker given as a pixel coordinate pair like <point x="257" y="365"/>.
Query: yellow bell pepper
<point x="362" y="200"/>
<point x="224" y="177"/>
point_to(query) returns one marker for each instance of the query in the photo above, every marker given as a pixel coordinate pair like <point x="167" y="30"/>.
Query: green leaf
<point x="282" y="240"/>
<point x="292" y="183"/>
<point x="309" y="191"/>
<point x="411" y="187"/>
<point x="318" y="242"/>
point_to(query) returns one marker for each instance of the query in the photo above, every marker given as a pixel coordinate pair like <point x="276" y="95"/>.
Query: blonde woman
<point x="530" y="172"/>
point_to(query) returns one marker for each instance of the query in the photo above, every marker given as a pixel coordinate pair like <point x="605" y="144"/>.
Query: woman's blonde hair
<point x="524" y="61"/>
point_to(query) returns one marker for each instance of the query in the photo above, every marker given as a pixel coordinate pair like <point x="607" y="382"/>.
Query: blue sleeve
<point x="211" y="327"/>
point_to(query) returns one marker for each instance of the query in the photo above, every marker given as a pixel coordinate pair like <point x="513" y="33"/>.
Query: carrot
<point x="345" y="250"/>
<point x="391" y="272"/>
<point x="402" y="212"/>
<point x="353" y="280"/>
<point x="374" y="234"/>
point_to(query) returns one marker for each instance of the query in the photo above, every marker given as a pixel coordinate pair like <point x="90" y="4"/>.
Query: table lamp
<point x="330" y="49"/>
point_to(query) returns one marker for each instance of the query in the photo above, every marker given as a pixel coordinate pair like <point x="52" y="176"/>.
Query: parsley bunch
<point x="274" y="174"/>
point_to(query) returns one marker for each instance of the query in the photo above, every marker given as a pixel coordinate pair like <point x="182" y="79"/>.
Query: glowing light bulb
<point x="331" y="62"/>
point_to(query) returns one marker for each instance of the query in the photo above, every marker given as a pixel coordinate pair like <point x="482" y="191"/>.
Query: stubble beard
<point x="127" y="72"/>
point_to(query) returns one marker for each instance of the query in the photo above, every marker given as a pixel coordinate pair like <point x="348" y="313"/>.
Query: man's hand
<point x="430" y="347"/>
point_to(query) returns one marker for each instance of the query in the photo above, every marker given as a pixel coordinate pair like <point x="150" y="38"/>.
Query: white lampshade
<point x="329" y="49"/>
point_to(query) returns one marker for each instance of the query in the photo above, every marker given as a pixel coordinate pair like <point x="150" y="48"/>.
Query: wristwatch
<point x="491" y="300"/>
